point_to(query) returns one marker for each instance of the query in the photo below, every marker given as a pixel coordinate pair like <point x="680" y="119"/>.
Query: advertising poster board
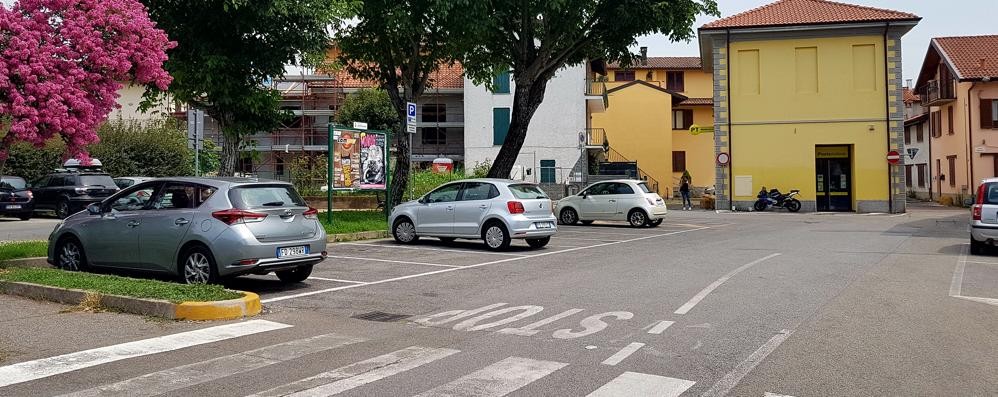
<point x="359" y="160"/>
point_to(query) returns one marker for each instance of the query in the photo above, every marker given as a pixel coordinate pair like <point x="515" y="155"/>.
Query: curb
<point x="39" y="261"/>
<point x="248" y="305"/>
<point x="343" y="237"/>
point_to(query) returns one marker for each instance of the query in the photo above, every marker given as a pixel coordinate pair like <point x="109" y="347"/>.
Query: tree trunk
<point x="229" y="156"/>
<point x="526" y="100"/>
<point x="400" y="175"/>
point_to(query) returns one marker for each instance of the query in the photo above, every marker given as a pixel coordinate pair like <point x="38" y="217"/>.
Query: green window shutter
<point x="501" y="83"/>
<point x="547" y="171"/>
<point x="500" y="125"/>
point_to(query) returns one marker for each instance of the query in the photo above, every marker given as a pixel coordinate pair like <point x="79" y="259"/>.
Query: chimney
<point x="907" y="84"/>
<point x="644" y="55"/>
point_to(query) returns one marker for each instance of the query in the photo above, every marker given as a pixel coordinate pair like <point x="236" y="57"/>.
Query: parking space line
<point x="729" y="381"/>
<point x="570" y="229"/>
<point x="660" y="327"/>
<point x="619" y="356"/>
<point x="496" y="262"/>
<point x="586" y="239"/>
<point x="390" y="261"/>
<point x="686" y="307"/>
<point x="336" y="280"/>
<point x="399" y="246"/>
<point x="981" y="262"/>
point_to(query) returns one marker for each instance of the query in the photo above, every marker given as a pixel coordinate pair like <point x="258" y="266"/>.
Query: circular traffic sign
<point x="723" y="158"/>
<point x="893" y="157"/>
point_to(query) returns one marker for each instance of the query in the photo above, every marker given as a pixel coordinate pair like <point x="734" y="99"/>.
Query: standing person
<point x="684" y="190"/>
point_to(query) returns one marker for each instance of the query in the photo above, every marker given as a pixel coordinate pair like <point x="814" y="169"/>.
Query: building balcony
<point x="596" y="96"/>
<point x="595" y="138"/>
<point x="937" y="92"/>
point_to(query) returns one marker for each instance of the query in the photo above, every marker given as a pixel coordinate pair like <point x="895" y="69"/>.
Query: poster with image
<point x="346" y="159"/>
<point x="359" y="160"/>
<point x="372" y="158"/>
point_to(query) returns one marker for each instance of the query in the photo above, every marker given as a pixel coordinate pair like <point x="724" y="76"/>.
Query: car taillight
<point x="978" y="204"/>
<point x="650" y="200"/>
<point x="515" y="207"/>
<point x="234" y="216"/>
<point x="311" y="213"/>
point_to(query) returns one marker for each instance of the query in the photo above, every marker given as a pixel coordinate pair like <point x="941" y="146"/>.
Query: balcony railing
<point x="596" y="138"/>
<point x="938" y="92"/>
<point x="596" y="87"/>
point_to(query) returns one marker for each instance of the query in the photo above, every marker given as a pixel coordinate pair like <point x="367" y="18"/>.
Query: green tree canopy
<point x="227" y="49"/>
<point x="536" y="38"/>
<point x="371" y="106"/>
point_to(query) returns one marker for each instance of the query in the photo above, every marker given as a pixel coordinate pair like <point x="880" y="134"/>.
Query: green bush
<point x="154" y="148"/>
<point x="31" y="163"/>
<point x="308" y="174"/>
<point x="422" y="182"/>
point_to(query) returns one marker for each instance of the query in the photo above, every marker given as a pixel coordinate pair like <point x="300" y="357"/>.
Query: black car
<point x="15" y="198"/>
<point x="71" y="191"/>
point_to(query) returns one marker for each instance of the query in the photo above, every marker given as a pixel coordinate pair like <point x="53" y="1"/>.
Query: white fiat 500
<point x="617" y="200"/>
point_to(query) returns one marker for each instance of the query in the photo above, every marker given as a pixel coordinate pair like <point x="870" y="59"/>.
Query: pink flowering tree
<point x="62" y="63"/>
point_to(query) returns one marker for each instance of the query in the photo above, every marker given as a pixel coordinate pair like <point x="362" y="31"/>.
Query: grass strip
<point x="354" y="221"/>
<point x="23" y="249"/>
<point x="117" y="285"/>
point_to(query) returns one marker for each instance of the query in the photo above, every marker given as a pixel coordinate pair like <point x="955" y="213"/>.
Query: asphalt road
<point x="37" y="228"/>
<point x="707" y="304"/>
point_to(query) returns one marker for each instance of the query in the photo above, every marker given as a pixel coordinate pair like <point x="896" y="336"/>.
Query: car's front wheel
<point x="568" y="216"/>
<point x="538" y="242"/>
<point x="295" y="275"/>
<point x="496" y="237"/>
<point x="404" y="231"/>
<point x="69" y="255"/>
<point x="197" y="266"/>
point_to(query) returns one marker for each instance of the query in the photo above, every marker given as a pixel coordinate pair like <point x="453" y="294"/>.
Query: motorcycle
<point x="774" y="198"/>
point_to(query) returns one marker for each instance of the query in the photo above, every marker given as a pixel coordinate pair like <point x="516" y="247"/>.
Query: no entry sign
<point x="893" y="157"/>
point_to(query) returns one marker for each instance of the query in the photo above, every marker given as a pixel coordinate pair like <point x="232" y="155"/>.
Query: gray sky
<point x="939" y="18"/>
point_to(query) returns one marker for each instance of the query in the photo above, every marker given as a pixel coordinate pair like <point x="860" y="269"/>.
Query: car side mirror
<point x="585" y="195"/>
<point x="94" y="209"/>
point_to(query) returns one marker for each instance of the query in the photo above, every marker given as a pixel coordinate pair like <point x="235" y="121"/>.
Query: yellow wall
<point x="697" y="83"/>
<point x="838" y="82"/>
<point x="638" y="125"/>
<point x="699" y="148"/>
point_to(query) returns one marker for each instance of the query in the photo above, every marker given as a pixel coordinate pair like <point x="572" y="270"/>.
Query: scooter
<point x="774" y="198"/>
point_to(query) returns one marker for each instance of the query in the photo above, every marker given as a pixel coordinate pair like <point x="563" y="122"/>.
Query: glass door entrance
<point x="833" y="166"/>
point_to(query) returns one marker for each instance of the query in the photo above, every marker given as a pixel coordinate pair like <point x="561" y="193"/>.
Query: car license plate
<point x="545" y="225"/>
<point x="292" y="251"/>
<point x="13" y="206"/>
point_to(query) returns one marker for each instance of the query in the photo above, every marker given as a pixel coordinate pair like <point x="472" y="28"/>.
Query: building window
<point x="935" y="125"/>
<point x="949" y="119"/>
<point x="989" y="113"/>
<point x="907" y="135"/>
<point x="245" y="164"/>
<point x="907" y="175"/>
<point x="952" y="170"/>
<point x="500" y="84"/>
<point x="434" y="136"/>
<point x="921" y="174"/>
<point x="548" y="170"/>
<point x="919" y="135"/>
<point x="678" y="161"/>
<point x="674" y="81"/>
<point x="623" y="75"/>
<point x="434" y="113"/>
<point x="682" y="119"/>
<point x="500" y="125"/>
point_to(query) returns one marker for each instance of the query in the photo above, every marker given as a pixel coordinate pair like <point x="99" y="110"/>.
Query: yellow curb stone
<point x="248" y="305"/>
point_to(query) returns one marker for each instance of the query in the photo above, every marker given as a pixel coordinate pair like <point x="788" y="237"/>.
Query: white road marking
<point x="635" y="384"/>
<point x="193" y="374"/>
<point x="336" y="280"/>
<point x="729" y="381"/>
<point x="573" y="230"/>
<point x="531" y="329"/>
<point x="498" y="379"/>
<point x="660" y="327"/>
<point x="496" y="262"/>
<point x="557" y="237"/>
<point x="45" y="367"/>
<point x="956" y="283"/>
<point x="619" y="356"/>
<point x="360" y="373"/>
<point x="768" y="394"/>
<point x="407" y="247"/>
<point x="389" y="261"/>
<point x="982" y="263"/>
<point x="686" y="307"/>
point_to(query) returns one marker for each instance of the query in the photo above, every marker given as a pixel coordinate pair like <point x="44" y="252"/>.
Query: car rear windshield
<point x="527" y="192"/>
<point x="12" y="183"/>
<point x="97" y="180"/>
<point x="644" y="187"/>
<point x="265" y="196"/>
<point x="991" y="193"/>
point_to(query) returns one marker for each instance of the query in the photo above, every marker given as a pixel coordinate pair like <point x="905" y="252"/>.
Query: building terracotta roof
<point x="807" y="12"/>
<point x="909" y="96"/>
<point x="972" y="57"/>
<point x="697" y="102"/>
<point x="448" y="76"/>
<point x="663" y="63"/>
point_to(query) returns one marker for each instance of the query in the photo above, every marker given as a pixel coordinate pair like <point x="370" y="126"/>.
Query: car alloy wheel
<point x="405" y="232"/>
<point x="62" y="209"/>
<point x="197" y="269"/>
<point x="70" y="256"/>
<point x="637" y="218"/>
<point x="569" y="216"/>
<point x="495" y="236"/>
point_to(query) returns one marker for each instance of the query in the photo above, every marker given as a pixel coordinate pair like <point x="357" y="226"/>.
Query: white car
<point x="617" y="200"/>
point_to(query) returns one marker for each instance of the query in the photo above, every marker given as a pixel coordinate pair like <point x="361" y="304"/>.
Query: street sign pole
<point x="329" y="177"/>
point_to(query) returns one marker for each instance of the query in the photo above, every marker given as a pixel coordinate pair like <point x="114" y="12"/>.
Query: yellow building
<point x="654" y="104"/>
<point x="808" y="95"/>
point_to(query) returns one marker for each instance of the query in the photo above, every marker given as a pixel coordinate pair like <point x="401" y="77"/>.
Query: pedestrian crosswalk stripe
<point x="360" y="373"/>
<point x="192" y="374"/>
<point x="634" y="384"/>
<point x="41" y="368"/>
<point x="497" y="379"/>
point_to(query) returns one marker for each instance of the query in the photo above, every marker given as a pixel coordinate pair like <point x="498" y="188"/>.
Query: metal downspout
<point x="887" y="109"/>
<point x="731" y="167"/>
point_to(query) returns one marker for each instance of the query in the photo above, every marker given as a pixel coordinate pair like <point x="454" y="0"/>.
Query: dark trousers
<point x="686" y="199"/>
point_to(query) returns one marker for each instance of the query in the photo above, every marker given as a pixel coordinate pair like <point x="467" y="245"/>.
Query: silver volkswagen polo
<point x="493" y="210"/>
<point x="198" y="230"/>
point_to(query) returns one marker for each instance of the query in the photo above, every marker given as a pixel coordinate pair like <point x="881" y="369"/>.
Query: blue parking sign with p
<point x="410" y="109"/>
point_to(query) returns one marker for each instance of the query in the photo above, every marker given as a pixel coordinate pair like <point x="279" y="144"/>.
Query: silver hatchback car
<point x="494" y="210"/>
<point x="199" y="230"/>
